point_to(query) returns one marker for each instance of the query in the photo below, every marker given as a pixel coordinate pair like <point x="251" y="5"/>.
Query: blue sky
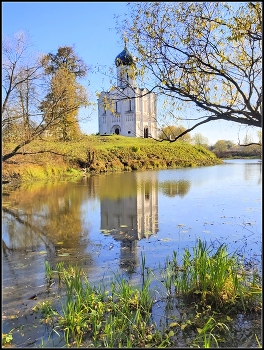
<point x="90" y="28"/>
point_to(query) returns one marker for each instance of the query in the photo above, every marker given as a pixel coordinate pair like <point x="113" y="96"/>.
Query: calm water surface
<point x="106" y="222"/>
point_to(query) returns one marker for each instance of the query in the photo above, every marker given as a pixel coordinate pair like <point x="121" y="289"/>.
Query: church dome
<point x="124" y="58"/>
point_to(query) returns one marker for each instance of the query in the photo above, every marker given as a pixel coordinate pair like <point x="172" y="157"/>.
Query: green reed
<point x="217" y="278"/>
<point x="116" y="318"/>
<point x="48" y="272"/>
<point x="122" y="316"/>
<point x="59" y="269"/>
<point x="208" y="335"/>
<point x="143" y="266"/>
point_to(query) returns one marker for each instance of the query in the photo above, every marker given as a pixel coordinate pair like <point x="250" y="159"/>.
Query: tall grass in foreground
<point x="115" y="318"/>
<point x="216" y="278"/>
<point x="122" y="316"/>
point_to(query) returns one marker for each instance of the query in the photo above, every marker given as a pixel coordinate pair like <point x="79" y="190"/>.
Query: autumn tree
<point x="170" y="132"/>
<point x="20" y="78"/>
<point x="66" y="95"/>
<point x="199" y="140"/>
<point x="60" y="107"/>
<point x="220" y="147"/>
<point x="35" y="102"/>
<point x="65" y="58"/>
<point x="205" y="55"/>
<point x="174" y="188"/>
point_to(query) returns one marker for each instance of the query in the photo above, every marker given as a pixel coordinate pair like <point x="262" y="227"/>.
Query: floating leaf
<point x="64" y="254"/>
<point x="174" y="324"/>
<point x="183" y="326"/>
<point x="170" y="334"/>
<point x="197" y="291"/>
<point x="59" y="242"/>
<point x="123" y="225"/>
<point x="43" y="252"/>
<point x="106" y="231"/>
<point x="20" y="266"/>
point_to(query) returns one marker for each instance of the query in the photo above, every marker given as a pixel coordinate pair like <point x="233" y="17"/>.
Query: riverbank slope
<point x="49" y="159"/>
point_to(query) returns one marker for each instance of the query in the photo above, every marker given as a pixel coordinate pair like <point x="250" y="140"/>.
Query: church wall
<point x="131" y="123"/>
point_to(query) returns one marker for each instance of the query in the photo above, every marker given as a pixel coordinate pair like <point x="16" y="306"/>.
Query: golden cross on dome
<point x="125" y="41"/>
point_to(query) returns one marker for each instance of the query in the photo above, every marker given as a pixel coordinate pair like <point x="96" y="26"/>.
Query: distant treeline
<point x="253" y="151"/>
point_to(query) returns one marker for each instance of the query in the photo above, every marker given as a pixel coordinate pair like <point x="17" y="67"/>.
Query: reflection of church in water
<point x="131" y="218"/>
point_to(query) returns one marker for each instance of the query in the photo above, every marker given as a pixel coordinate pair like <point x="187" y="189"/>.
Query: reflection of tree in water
<point x="116" y="185"/>
<point x="174" y="188"/>
<point x="45" y="218"/>
<point x="47" y="214"/>
<point x="250" y="170"/>
<point x="20" y="241"/>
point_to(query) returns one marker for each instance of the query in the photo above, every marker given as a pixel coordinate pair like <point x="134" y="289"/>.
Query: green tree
<point x="207" y="55"/>
<point x="170" y="132"/>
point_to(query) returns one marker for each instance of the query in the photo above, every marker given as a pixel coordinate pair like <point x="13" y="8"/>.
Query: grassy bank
<point x="95" y="154"/>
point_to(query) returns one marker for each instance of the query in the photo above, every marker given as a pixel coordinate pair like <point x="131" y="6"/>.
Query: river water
<point x="105" y="223"/>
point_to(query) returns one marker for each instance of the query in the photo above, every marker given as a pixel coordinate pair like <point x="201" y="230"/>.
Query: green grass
<point x="97" y="154"/>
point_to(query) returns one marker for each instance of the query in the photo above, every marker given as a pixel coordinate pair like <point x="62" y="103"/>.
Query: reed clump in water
<point x="210" y="283"/>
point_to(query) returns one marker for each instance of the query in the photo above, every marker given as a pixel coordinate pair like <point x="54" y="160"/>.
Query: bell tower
<point x="125" y="67"/>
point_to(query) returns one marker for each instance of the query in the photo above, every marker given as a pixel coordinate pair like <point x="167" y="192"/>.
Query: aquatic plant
<point x="48" y="272"/>
<point x="59" y="270"/>
<point x="45" y="308"/>
<point x="208" y="335"/>
<point x="7" y="338"/>
<point x="208" y="282"/>
<point x="216" y="278"/>
<point x="115" y="318"/>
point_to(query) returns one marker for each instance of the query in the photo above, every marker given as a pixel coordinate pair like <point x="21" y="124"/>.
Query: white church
<point x="127" y="109"/>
